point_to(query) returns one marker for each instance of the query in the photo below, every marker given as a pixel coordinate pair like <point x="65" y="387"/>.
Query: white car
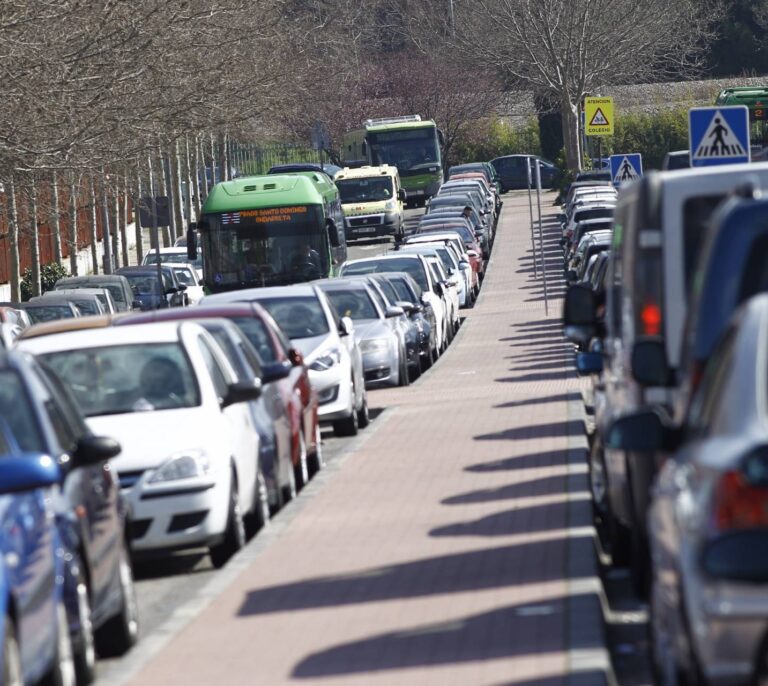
<point x="450" y="286"/>
<point x="455" y="242"/>
<point x="165" y="391"/>
<point x="328" y="345"/>
<point x="451" y="265"/>
<point x="176" y="255"/>
<point x="187" y="275"/>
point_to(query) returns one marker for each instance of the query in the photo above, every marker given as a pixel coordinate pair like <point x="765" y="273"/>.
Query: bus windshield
<point x="373" y="189"/>
<point x="412" y="151"/>
<point x="265" y="247"/>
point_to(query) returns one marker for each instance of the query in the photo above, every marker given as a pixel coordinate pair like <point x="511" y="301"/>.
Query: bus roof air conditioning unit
<point x="392" y="120"/>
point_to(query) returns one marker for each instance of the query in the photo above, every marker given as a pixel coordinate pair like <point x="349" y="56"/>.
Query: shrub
<point x="49" y="275"/>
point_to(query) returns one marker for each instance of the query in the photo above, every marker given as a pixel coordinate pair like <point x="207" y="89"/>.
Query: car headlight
<point x="374" y="345"/>
<point x="390" y="205"/>
<point x="186" y="465"/>
<point x="326" y="361"/>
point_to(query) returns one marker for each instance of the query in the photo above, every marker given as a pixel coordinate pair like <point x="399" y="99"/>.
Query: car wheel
<point x="363" y="417"/>
<point x="402" y="375"/>
<point x="301" y="470"/>
<point x="255" y="521"/>
<point x="121" y="632"/>
<point x="348" y="426"/>
<point x="12" y="675"/>
<point x="234" y="535"/>
<point x="84" y="644"/>
<point x="62" y="671"/>
<point x="316" y="459"/>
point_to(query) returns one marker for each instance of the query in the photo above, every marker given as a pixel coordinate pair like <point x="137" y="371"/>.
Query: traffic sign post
<point x="625" y="168"/>
<point x="718" y="135"/>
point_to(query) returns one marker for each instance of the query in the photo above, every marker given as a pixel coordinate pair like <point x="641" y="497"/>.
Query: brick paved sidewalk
<point x="452" y="546"/>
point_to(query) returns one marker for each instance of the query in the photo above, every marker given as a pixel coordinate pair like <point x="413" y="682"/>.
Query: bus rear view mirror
<point x="333" y="233"/>
<point x="192" y="242"/>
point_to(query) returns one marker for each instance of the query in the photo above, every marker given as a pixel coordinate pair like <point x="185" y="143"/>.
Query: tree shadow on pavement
<point x="540" y="400"/>
<point x="548" y="485"/>
<point x="515" y="630"/>
<point x="548" y="376"/>
<point x="520" y="520"/>
<point x="535" y="431"/>
<point x="547" y="364"/>
<point x="497" y="567"/>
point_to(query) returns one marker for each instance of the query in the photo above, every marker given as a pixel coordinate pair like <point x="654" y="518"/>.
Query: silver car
<point x="708" y="517"/>
<point x="381" y="342"/>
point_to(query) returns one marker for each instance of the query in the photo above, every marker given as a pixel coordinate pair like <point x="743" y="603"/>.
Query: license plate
<point x="366" y="229"/>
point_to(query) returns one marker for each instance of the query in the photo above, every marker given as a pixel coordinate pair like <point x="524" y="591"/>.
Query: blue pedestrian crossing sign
<point x="718" y="135"/>
<point x="625" y="168"/>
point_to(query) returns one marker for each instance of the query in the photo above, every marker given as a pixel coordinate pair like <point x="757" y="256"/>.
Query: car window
<point x="298" y="316"/>
<point x="214" y="369"/>
<point x="697" y="213"/>
<point x="185" y="276"/>
<point x="379" y="300"/>
<point x="17" y="411"/>
<point x="355" y="303"/>
<point x="410" y="266"/>
<point x="389" y="291"/>
<point x="231" y="351"/>
<point x="256" y="332"/>
<point x="122" y="379"/>
<point x="706" y="401"/>
<point x="61" y="408"/>
<point x="403" y="292"/>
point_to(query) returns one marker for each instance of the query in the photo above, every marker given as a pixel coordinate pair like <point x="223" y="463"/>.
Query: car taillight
<point x="650" y="316"/>
<point x="741" y="496"/>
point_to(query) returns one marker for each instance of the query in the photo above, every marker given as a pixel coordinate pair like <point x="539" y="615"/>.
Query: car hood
<point x="148" y="438"/>
<point x="311" y="347"/>
<point x="366" y="329"/>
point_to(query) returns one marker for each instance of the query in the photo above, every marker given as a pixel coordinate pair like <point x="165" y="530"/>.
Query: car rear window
<point x="697" y="213"/>
<point x="17" y="412"/>
<point x="256" y="332"/>
<point x="409" y="266"/>
<point x="298" y="316"/>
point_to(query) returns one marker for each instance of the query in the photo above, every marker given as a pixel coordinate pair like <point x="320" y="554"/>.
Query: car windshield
<point x="185" y="276"/>
<point x="256" y="332"/>
<point x="370" y="189"/>
<point x="49" y="313"/>
<point x="354" y="303"/>
<point x="145" y="283"/>
<point x="122" y="379"/>
<point x="17" y="412"/>
<point x="463" y="231"/>
<point x="298" y="316"/>
<point x="402" y="264"/>
<point x="403" y="292"/>
<point x="88" y="306"/>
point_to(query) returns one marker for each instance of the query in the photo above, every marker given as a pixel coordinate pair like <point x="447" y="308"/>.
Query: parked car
<point x="382" y="345"/>
<point x="326" y="343"/>
<point x="665" y="219"/>
<point x="103" y="295"/>
<point x="679" y="159"/>
<point x="513" y="171"/>
<point x="86" y="303"/>
<point x="417" y="267"/>
<point x="452" y="265"/>
<point x="189" y="449"/>
<point x="36" y="642"/>
<point x="708" y="515"/>
<point x="290" y="448"/>
<point x="148" y="292"/>
<point x="116" y="284"/>
<point x="469" y="259"/>
<point x="188" y="276"/>
<point x="175" y="255"/>
<point x="44" y="418"/>
<point x="51" y="309"/>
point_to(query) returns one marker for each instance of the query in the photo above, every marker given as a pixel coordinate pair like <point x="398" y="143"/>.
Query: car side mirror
<point x="242" y="392"/>
<point x="463" y="264"/>
<point x="18" y="474"/>
<point x="408" y="307"/>
<point x="571" y="276"/>
<point x="136" y="305"/>
<point x="182" y="287"/>
<point x="171" y="291"/>
<point x="649" y="362"/>
<point x="346" y="327"/>
<point x="438" y="288"/>
<point x="645" y="431"/>
<point x="192" y="241"/>
<point x="296" y="358"/>
<point x="402" y="196"/>
<point x="91" y="450"/>
<point x="589" y="363"/>
<point x="393" y="311"/>
<point x="472" y="253"/>
<point x="274" y="371"/>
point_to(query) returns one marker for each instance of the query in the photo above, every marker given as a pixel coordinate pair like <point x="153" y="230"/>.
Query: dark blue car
<point x="33" y="625"/>
<point x="43" y="417"/>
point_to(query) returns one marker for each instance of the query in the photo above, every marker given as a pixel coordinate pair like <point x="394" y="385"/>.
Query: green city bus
<point x="274" y="230"/>
<point x="756" y="99"/>
<point x="408" y="143"/>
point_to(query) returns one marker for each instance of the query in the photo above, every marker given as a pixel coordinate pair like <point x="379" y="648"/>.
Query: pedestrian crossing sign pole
<point x="626" y="168"/>
<point x="719" y="135"/>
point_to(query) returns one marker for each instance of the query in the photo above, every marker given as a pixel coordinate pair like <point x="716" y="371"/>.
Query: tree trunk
<point x="163" y="178"/>
<point x="188" y="179"/>
<point x="178" y="195"/>
<point x="570" y="115"/>
<point x="56" y="219"/>
<point x="118" y="221"/>
<point x="94" y="229"/>
<point x="137" y="218"/>
<point x="13" y="241"/>
<point x="201" y="187"/>
<point x="73" y="246"/>
<point x="35" y="239"/>
<point x="126" y="220"/>
<point x="105" y="229"/>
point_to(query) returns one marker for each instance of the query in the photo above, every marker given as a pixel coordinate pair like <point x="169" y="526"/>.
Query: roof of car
<point x="96" y="321"/>
<point x="204" y="311"/>
<point x="173" y="250"/>
<point x="597" y="220"/>
<point x="340" y="283"/>
<point x="161" y="332"/>
<point x="93" y="278"/>
<point x="247" y="294"/>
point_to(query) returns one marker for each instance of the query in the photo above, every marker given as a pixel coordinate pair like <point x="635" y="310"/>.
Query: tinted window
<point x="298" y="317"/>
<point x="410" y="266"/>
<point x="214" y="369"/>
<point x="232" y="353"/>
<point x="256" y="332"/>
<point x="706" y="401"/>
<point x="697" y="213"/>
<point x="49" y="313"/>
<point x="754" y="278"/>
<point x="17" y="411"/>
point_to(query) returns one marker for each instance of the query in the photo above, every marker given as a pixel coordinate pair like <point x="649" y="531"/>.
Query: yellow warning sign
<point x="598" y="116"/>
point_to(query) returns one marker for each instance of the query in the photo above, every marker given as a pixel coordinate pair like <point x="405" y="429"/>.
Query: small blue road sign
<point x="718" y="135"/>
<point x="626" y="168"/>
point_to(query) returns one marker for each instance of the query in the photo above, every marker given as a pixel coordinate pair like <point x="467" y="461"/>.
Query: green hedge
<point x="494" y="137"/>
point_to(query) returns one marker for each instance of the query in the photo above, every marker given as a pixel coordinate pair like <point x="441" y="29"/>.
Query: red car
<point x="277" y="357"/>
